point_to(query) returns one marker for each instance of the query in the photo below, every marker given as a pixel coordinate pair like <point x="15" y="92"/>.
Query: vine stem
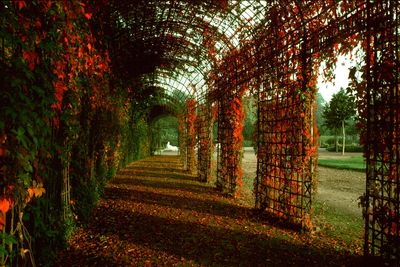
<point x="3" y="258"/>
<point x="28" y="240"/>
<point x="12" y="233"/>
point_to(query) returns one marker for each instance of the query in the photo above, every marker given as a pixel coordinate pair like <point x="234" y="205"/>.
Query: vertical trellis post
<point x="66" y="190"/>
<point x="381" y="139"/>
<point x="191" y="134"/>
<point x="205" y="123"/>
<point x="230" y="139"/>
<point x="286" y="144"/>
<point x="182" y="131"/>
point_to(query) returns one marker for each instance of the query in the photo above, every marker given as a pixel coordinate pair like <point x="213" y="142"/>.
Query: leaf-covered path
<point x="154" y="214"/>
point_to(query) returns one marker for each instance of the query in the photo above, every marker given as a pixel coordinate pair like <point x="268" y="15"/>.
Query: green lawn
<point x="356" y="163"/>
<point x="337" y="223"/>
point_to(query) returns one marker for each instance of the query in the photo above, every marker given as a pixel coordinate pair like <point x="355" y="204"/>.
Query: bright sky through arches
<point x="341" y="74"/>
<point x="327" y="89"/>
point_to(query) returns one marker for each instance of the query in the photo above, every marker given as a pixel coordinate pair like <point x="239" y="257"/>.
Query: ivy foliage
<point x="67" y="125"/>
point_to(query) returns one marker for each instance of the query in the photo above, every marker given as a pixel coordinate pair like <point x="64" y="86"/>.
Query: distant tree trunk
<point x="344" y="137"/>
<point x="336" y="141"/>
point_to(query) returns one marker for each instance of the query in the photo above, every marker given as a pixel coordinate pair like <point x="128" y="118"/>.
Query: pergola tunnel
<point x="85" y="84"/>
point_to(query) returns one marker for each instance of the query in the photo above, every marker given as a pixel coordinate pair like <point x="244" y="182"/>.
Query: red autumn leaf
<point x="47" y="4"/>
<point x="80" y="52"/>
<point x="36" y="191"/>
<point x="38" y="24"/>
<point x="31" y="59"/>
<point x="88" y="15"/>
<point x="31" y="193"/>
<point x="20" y="3"/>
<point x="39" y="191"/>
<point x="4" y="205"/>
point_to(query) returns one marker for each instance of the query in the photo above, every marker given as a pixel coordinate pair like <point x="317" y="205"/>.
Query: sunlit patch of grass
<point x="336" y="223"/>
<point x="356" y="163"/>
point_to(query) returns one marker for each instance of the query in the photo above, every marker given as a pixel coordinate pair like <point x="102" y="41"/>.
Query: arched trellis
<point x="286" y="146"/>
<point x="159" y="29"/>
<point x="276" y="57"/>
<point x="287" y="41"/>
<point x="282" y="62"/>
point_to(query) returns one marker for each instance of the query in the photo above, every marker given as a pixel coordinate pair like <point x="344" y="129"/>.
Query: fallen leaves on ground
<point x="155" y="214"/>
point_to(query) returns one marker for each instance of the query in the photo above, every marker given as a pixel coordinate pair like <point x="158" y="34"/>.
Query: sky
<point x="341" y="78"/>
<point x="354" y="59"/>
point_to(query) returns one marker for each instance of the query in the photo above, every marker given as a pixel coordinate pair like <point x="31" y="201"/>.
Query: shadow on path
<point x="153" y="214"/>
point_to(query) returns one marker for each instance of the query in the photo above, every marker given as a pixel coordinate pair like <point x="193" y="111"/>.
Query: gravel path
<point x="341" y="189"/>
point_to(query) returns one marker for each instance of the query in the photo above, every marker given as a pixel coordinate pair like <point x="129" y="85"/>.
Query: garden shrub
<point x="349" y="148"/>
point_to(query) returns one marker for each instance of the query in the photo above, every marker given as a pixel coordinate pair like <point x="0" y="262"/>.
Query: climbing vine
<point x="230" y="128"/>
<point x="54" y="158"/>
<point x="205" y="122"/>
<point x="191" y="134"/>
<point x="70" y="120"/>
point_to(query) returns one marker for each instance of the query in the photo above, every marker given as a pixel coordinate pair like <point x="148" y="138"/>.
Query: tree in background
<point x="319" y="117"/>
<point x="250" y="110"/>
<point x="342" y="107"/>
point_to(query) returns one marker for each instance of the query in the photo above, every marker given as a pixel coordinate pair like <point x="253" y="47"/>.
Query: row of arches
<point x="127" y="63"/>
<point x="282" y="71"/>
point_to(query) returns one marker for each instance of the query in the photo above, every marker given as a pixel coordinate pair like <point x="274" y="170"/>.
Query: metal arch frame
<point x="162" y="84"/>
<point x="199" y="54"/>
<point x="163" y="73"/>
<point x="164" y="98"/>
<point x="201" y="89"/>
<point x="254" y="34"/>
<point x="181" y="69"/>
<point x="166" y="111"/>
<point x="190" y="22"/>
<point x="195" y="22"/>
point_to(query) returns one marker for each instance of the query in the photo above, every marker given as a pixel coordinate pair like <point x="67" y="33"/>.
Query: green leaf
<point x="25" y="179"/>
<point x="21" y="137"/>
<point x="30" y="130"/>
<point x="3" y="252"/>
<point x="8" y="239"/>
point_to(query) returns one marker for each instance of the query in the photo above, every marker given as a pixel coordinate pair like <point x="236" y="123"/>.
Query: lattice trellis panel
<point x="382" y="237"/>
<point x="205" y="122"/>
<point x="286" y="160"/>
<point x="230" y="139"/>
<point x="286" y="143"/>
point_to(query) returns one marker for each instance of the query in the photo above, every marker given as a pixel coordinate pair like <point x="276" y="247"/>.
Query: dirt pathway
<point x="341" y="189"/>
<point x="154" y="214"/>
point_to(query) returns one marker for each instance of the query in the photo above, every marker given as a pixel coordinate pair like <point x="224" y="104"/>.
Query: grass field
<point x="356" y="163"/>
<point x="337" y="223"/>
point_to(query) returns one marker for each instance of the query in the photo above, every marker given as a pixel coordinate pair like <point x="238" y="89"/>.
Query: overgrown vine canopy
<point x="83" y="79"/>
